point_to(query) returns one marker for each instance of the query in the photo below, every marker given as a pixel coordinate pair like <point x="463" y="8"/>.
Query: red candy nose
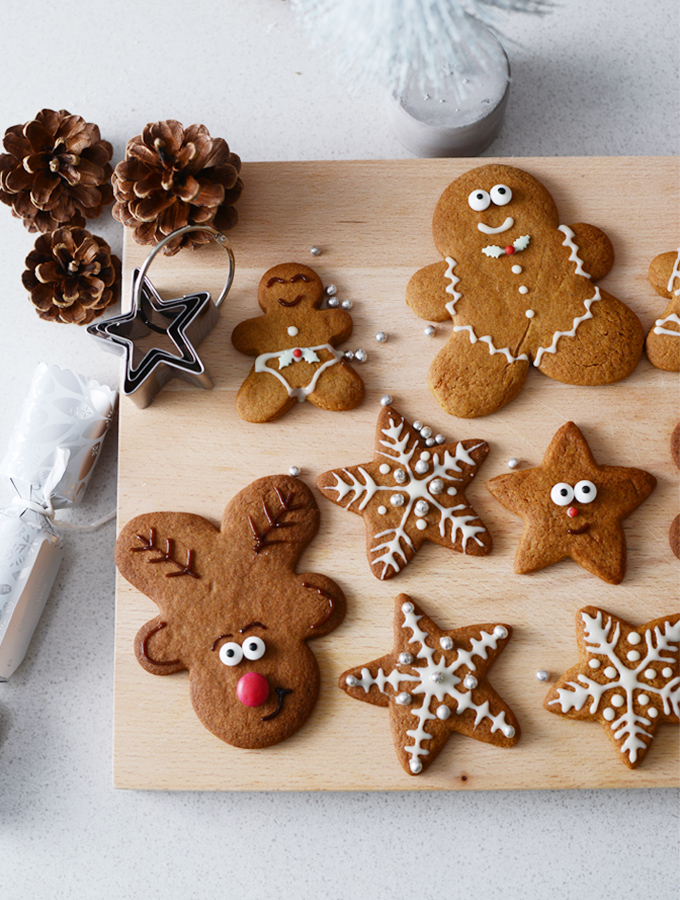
<point x="572" y="511"/>
<point x="297" y="353"/>
<point x="509" y="249"/>
<point x="252" y="689"/>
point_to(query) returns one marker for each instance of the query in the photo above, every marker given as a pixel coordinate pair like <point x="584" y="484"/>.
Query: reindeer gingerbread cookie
<point x="294" y="344"/>
<point x="521" y="291"/>
<point x="663" y="340"/>
<point x="233" y="610"/>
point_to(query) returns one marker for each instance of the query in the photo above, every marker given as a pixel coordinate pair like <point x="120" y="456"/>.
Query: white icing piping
<point x="601" y="641"/>
<point x="675" y="274"/>
<point x="658" y="325"/>
<point x="299" y="393"/>
<point x="451" y="288"/>
<point x="451" y="685"/>
<point x="572" y="333"/>
<point x="395" y="549"/>
<point x="574" y="257"/>
<point x="487" y="340"/>
<point x="487" y="229"/>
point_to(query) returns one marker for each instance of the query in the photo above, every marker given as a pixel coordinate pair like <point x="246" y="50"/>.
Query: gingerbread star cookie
<point x="627" y="679"/>
<point x="520" y="288"/>
<point x="435" y="683"/>
<point x="573" y="507"/>
<point x="294" y="348"/>
<point x="410" y="493"/>
<point x="663" y="340"/>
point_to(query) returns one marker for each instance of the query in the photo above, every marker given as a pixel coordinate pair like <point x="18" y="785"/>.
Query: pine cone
<point x="170" y="178"/>
<point x="71" y="276"/>
<point x="56" y="171"/>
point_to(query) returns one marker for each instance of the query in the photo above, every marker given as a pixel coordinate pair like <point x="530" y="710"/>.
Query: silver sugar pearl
<point x="333" y="302"/>
<point x="315" y="251"/>
<point x="422" y="508"/>
<point x="404" y="698"/>
<point x="405" y="658"/>
<point x="439" y="438"/>
<point x="430" y="442"/>
<point x="426" y="431"/>
<point x="470" y="682"/>
<point x="415" y="766"/>
<point x="351" y="681"/>
<point x="542" y="675"/>
<point x="513" y="463"/>
<point x="331" y="289"/>
<point x="422" y="466"/>
<point x="446" y="643"/>
<point x="407" y="607"/>
<point x="500" y="631"/>
<point x="360" y="355"/>
<point x="443" y="713"/>
<point x="399" y="476"/>
<point x="437" y="677"/>
<point x="417" y="425"/>
<point x="428" y="330"/>
<point x="386" y="400"/>
<point x="347" y="304"/>
<point x="508" y="731"/>
<point x="381" y="337"/>
<point x="294" y="471"/>
<point x="397" y="499"/>
<point x="348" y="355"/>
<point x="436" y="486"/>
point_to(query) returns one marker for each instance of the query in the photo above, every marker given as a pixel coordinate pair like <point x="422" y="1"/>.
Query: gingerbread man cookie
<point x="294" y="345"/>
<point x="233" y="610"/>
<point x="663" y="340"/>
<point x="627" y="679"/>
<point x="573" y="507"/>
<point x="520" y="289"/>
<point x="435" y="683"/>
<point x="674" y="533"/>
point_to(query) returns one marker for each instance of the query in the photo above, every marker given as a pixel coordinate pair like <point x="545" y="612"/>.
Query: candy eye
<point x="501" y="194"/>
<point x="253" y="648"/>
<point x="585" y="491"/>
<point x="479" y="201"/>
<point x="231" y="654"/>
<point x="562" y="493"/>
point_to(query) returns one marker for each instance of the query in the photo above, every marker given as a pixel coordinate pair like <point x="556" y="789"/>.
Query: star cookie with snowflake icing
<point x="411" y="493"/>
<point x="434" y="683"/>
<point x="573" y="507"/>
<point x="627" y="679"/>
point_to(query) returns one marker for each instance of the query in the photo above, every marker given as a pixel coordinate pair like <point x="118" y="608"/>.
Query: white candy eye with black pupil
<point x="479" y="201"/>
<point x="253" y="648"/>
<point x="501" y="194"/>
<point x="562" y="493"/>
<point x="585" y="491"/>
<point x="231" y="654"/>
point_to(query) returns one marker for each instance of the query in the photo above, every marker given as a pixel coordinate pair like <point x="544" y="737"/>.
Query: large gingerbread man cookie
<point x="294" y="345"/>
<point x="520" y="290"/>
<point x="663" y="340"/>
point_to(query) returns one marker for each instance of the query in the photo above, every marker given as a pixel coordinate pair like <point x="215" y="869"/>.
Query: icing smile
<point x="289" y="303"/>
<point x="279" y="705"/>
<point x="506" y="226"/>
<point x="582" y="529"/>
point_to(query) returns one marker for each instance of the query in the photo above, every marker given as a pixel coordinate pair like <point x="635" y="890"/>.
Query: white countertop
<point x="593" y="78"/>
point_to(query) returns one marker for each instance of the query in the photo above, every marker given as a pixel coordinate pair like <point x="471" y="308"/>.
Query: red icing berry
<point x="572" y="511"/>
<point x="509" y="249"/>
<point x="297" y="353"/>
<point x="252" y="689"/>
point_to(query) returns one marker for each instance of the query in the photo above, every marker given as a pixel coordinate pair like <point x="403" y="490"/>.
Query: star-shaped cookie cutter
<point x="183" y="321"/>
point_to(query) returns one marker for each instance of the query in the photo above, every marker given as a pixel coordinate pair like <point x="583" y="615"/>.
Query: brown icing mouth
<point x="282" y="692"/>
<point x="580" y="530"/>
<point x="289" y="303"/>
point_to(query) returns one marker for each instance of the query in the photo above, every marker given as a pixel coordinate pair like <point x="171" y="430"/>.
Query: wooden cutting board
<point x="190" y="451"/>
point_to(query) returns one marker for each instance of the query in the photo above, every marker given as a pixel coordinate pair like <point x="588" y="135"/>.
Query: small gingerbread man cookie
<point x="294" y="345"/>
<point x="520" y="289"/>
<point x="663" y="340"/>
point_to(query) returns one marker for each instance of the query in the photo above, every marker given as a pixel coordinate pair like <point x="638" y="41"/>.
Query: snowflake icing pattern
<point x="418" y="492"/>
<point x="434" y="683"/>
<point x="628" y="679"/>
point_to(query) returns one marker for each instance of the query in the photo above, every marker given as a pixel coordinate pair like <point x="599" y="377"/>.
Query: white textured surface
<point x="593" y="78"/>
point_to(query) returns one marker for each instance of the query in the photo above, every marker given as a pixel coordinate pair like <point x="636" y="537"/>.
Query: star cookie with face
<point x="434" y="683"/>
<point x="410" y="493"/>
<point x="573" y="507"/>
<point x="521" y="291"/>
<point x="627" y="679"/>
<point x="294" y="344"/>
<point x="663" y="340"/>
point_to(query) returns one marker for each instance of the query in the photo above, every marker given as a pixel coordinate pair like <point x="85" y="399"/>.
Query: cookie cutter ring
<point x="184" y="322"/>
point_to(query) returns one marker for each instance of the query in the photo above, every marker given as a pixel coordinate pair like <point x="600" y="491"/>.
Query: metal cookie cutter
<point x="183" y="322"/>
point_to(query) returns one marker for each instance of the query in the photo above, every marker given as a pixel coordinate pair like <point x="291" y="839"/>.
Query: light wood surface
<point x="190" y="451"/>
